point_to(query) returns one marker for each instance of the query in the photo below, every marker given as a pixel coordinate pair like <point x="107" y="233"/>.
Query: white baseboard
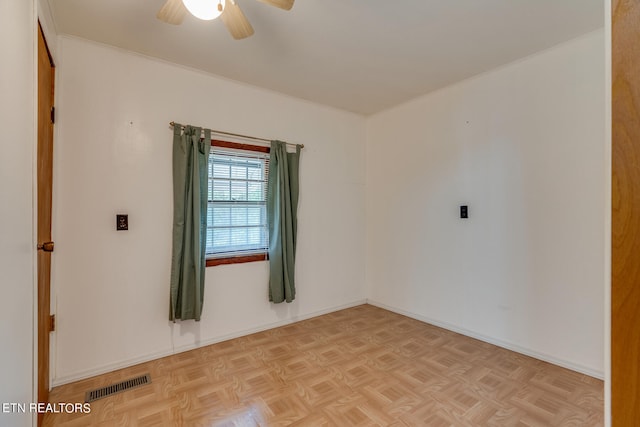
<point x="268" y="326"/>
<point x="55" y="382"/>
<point x="169" y="352"/>
<point x="152" y="356"/>
<point x="500" y="343"/>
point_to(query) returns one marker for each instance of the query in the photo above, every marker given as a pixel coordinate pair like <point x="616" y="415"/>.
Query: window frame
<point x="238" y="259"/>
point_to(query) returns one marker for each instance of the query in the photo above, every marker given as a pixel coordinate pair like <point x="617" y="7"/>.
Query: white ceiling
<point x="358" y="55"/>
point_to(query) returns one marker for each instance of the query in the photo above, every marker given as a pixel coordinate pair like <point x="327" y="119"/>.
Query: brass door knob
<point x="47" y="247"/>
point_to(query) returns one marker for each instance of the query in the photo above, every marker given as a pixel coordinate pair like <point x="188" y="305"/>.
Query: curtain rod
<point x="219" y="132"/>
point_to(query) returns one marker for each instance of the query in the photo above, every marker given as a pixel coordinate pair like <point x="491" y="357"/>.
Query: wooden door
<point x="46" y="72"/>
<point x="625" y="251"/>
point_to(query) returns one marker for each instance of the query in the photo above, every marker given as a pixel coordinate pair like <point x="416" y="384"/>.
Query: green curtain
<point x="190" y="191"/>
<point x="282" y="208"/>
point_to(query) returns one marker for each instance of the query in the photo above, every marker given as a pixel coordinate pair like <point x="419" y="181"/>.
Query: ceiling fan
<point x="174" y="11"/>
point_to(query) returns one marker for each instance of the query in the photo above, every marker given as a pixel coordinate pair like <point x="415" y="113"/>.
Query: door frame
<point x="624" y="338"/>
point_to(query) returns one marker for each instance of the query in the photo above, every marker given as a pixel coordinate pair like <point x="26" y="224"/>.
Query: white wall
<point x="524" y="146"/>
<point x="113" y="155"/>
<point x="17" y="151"/>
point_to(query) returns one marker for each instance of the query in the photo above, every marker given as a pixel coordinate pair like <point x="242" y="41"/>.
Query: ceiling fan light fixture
<point x="204" y="9"/>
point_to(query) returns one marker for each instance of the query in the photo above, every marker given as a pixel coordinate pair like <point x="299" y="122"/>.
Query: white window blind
<point x="237" y="212"/>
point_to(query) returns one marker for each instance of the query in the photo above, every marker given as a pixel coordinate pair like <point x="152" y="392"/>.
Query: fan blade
<point x="172" y="12"/>
<point x="282" y="4"/>
<point x="235" y="21"/>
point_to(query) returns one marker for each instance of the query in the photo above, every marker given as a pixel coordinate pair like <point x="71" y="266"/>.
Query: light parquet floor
<point x="362" y="366"/>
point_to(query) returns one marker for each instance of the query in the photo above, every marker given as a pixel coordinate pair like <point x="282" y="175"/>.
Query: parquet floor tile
<point x="362" y="366"/>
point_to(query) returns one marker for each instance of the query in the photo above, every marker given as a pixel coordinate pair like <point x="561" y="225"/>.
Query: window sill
<point x="211" y="262"/>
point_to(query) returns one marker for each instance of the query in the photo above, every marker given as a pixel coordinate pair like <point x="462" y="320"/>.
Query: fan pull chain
<point x="219" y="5"/>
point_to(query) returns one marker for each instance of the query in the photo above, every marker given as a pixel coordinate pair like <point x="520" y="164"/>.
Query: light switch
<point x="122" y="222"/>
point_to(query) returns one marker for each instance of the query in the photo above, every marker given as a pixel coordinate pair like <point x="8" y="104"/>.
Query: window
<point x="237" y="228"/>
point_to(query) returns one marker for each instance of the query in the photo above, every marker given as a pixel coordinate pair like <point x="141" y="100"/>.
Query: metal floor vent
<point x="99" y="393"/>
